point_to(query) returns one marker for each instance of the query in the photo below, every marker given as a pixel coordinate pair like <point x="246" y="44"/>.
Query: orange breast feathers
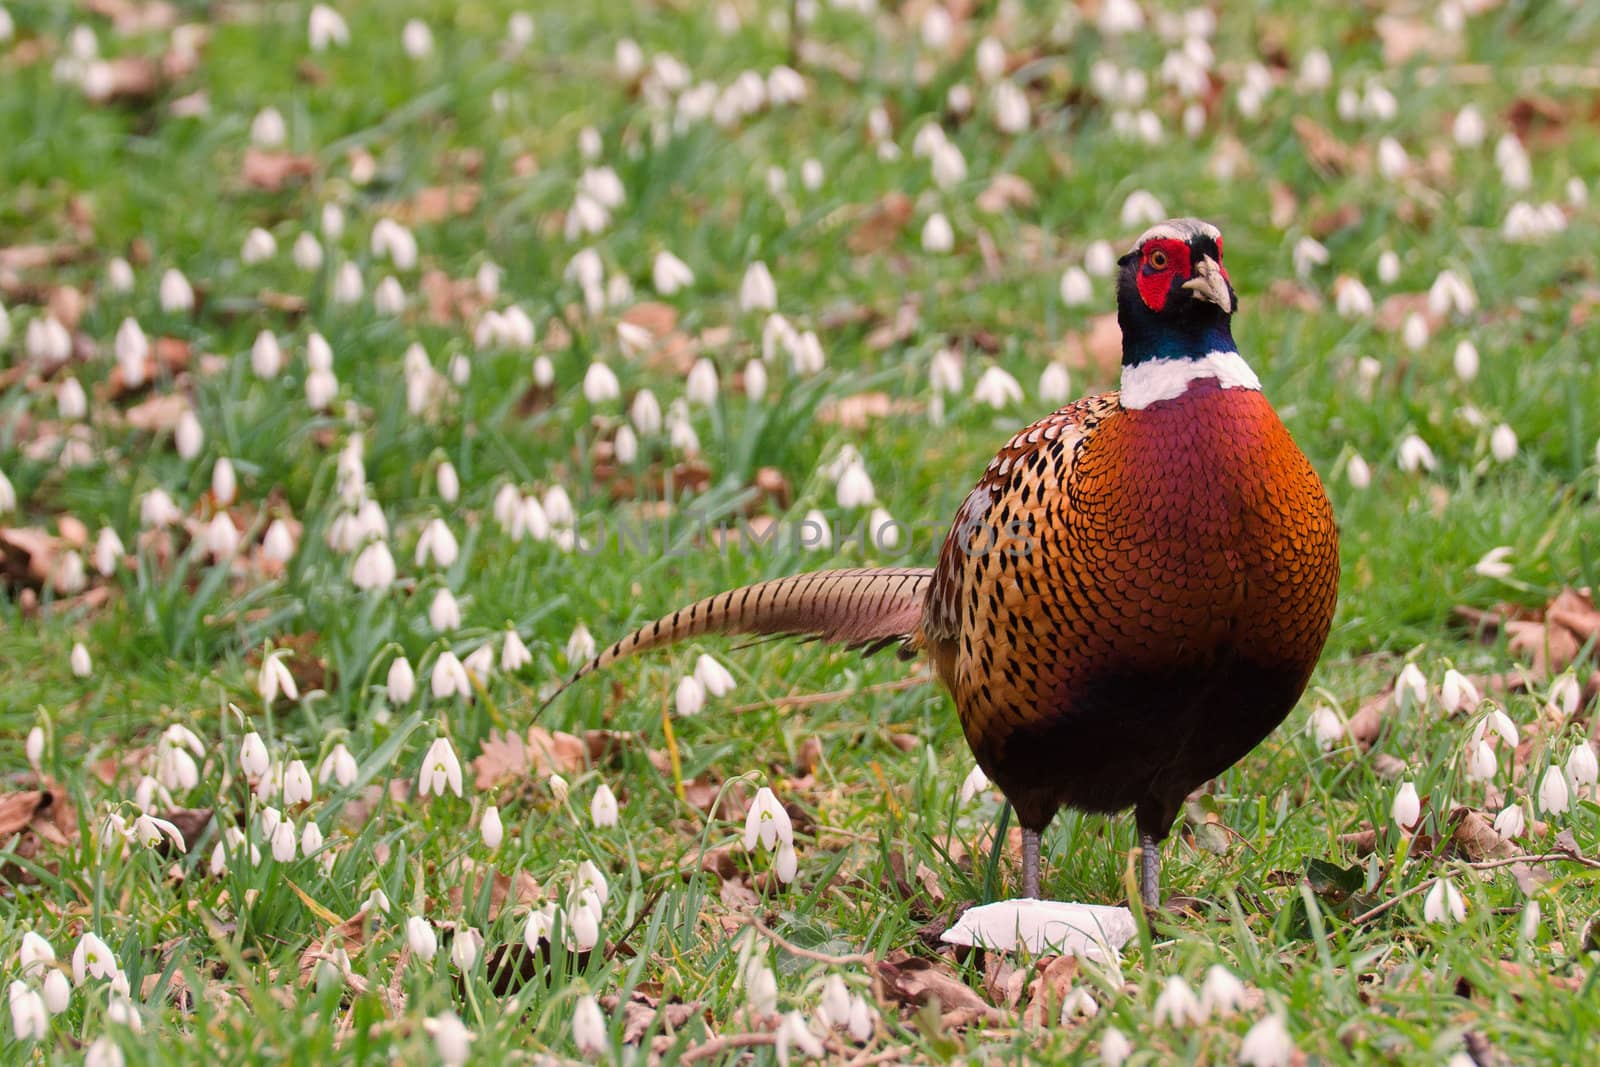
<point x="1153" y="538"/>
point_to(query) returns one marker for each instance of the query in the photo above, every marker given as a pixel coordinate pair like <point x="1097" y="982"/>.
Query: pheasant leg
<point x="1150" y="872"/>
<point x="1030" y="863"/>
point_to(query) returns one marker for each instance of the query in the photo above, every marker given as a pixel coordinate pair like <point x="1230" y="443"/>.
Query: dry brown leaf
<point x="880" y="224"/>
<point x="856" y="411"/>
<point x="642" y="1010"/>
<point x="1049" y="989"/>
<point x="897" y="330"/>
<point x="1004" y="191"/>
<point x="1475" y="838"/>
<point x="1002" y="979"/>
<point x="128" y="79"/>
<point x="29" y="556"/>
<point x="507" y="757"/>
<point x="737" y="896"/>
<point x="159" y="414"/>
<point x="1367" y="723"/>
<point x="28" y="821"/>
<point x="1283" y="205"/>
<point x="652" y="315"/>
<point x="914" y="981"/>
<point x="1572" y="983"/>
<point x="1550" y="638"/>
<point x="438" y="203"/>
<point x="1325" y="151"/>
<point x="1283" y="293"/>
<point x="1404" y="36"/>
<point x="467" y="888"/>
<point x="270" y="170"/>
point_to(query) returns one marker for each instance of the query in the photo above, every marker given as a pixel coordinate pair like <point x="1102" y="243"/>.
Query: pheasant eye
<point x="1158" y="259"/>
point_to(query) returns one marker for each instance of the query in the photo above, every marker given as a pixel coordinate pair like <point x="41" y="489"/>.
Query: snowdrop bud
<point x="937" y="236"/>
<point x="600" y="383"/>
<point x="1115" y="1048"/>
<point x="339" y="766"/>
<point x="603" y="808"/>
<point x="222" y="536"/>
<point x="1443" y="903"/>
<point x="1388" y="267"/>
<point x="1267" y="1043"/>
<point x="1480" y="762"/>
<point x="307" y="252"/>
<point x="1415" y="455"/>
<point x="558" y="788"/>
<point x="1012" y="112"/>
<point x="589" y="1028"/>
<point x="1528" y="925"/>
<point x="625" y="445"/>
<point x="35" y="955"/>
<point x="975" y="782"/>
<point x="514" y="655"/>
<point x="347" y="284"/>
<point x="1582" y="767"/>
<point x="1503" y="443"/>
<point x="1466" y="361"/>
<point x="72" y="403"/>
<point x="421" y="938"/>
<point x="997" y="388"/>
<point x="175" y="292"/>
<point x="937" y="27"/>
<point x="580" y="646"/>
<point x="757" y="291"/>
<point x="34" y="749"/>
<point x="30" y="1019"/>
<point x="1076" y="288"/>
<point x="284" y="842"/>
<point x="1554" y="793"/>
<point x="713" y="676"/>
<point x="1565" y="693"/>
<point x="267" y="129"/>
<point x="253" y="758"/>
<point x="1457" y="693"/>
<point x="1468" y="128"/>
<point x="761" y="987"/>
<point x="811" y="175"/>
<point x="119" y="276"/>
<point x="444" y="613"/>
<point x="56" y="992"/>
<point x="1221" y="994"/>
<point x="1351" y="299"/>
<point x="297" y="788"/>
<point x="374" y="568"/>
<point x="266" y="356"/>
<point x="224" y="484"/>
<point x="1393" y="162"/>
<point x="389" y="298"/>
<point x="691" y="696"/>
<point x="701" y="388"/>
<point x="1407" y="808"/>
<point x="416" y="39"/>
<point x="1177" y="1005"/>
<point x="990" y="59"/>
<point x="1358" y="472"/>
<point x="401" y="683"/>
<point x="259" y="246"/>
<point x="1055" y="384"/>
<point x="490" y="828"/>
<point x="1099" y="259"/>
<point x="441" y="769"/>
<point x="1511" y="823"/>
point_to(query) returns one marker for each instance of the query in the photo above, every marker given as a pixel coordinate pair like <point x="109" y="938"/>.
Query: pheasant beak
<point x="1210" y="283"/>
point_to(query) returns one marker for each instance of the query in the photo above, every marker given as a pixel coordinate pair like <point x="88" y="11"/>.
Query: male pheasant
<point x="1132" y="597"/>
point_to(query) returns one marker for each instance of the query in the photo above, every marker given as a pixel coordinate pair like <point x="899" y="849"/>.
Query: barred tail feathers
<point x="869" y="606"/>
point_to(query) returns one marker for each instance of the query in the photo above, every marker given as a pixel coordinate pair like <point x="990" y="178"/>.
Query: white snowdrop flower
<point x="628" y="58"/>
<point x="937" y="236"/>
<point x="975" y="783"/>
<point x="8" y="494"/>
<point x="1528" y="925"/>
<point x="997" y="388"/>
<point x="701" y="387"/>
<point x="389" y="298"/>
<point x="936" y="27"/>
<point x="401" y="682"/>
<point x="1410" y="687"/>
<point x="854" y="488"/>
<point x="311" y="841"/>
<point x="948" y="165"/>
<point x="1516" y="170"/>
<point x="56" y="992"/>
<point x="882" y="529"/>
<point x="1577" y="192"/>
<point x="1415" y="455"/>
<point x="558" y="507"/>
<point x="421" y="938"/>
<point x="1457" y="693"/>
<point x="1468" y="127"/>
<point x="79" y="661"/>
<point x="1099" y="259"/>
<point x="319" y="354"/>
<point x="267" y="129"/>
<point x="600" y="383"/>
<point x="1582" y="768"/>
<point x="1221" y="993"/>
<point x="785" y="85"/>
<point x="108" y="549"/>
<point x="1267" y="1043"/>
<point x="1450" y="293"/>
<point x="713" y="676"/>
<point x="30" y="1019"/>
<point x="1055" y="383"/>
<point x="668" y="274"/>
<point x="625" y="445"/>
<point x="373" y="568"/>
<point x="794" y="1034"/>
<point x="863" y="1018"/>
<point x="1443" y="903"/>
<point x="416" y="39"/>
<point x="34" y="747"/>
<point x="1351" y="299"/>
<point x="990" y="59"/>
<point x="297" y="787"/>
<point x="175" y="293"/>
<point x="1309" y="254"/>
<point x="589" y="1028"/>
<point x="690" y="698"/>
<point x="150" y="831"/>
<point x="332" y="221"/>
<point x="1511" y="823"/>
<point x="1503" y="443"/>
<point x="514" y="655"/>
<point x="449" y="678"/>
<point x="1500" y="723"/>
<point x="119" y="277"/>
<point x="347" y="284"/>
<point x="339" y="767"/>
<point x="815" y="533"/>
<point x="1526" y="223"/>
<point x="507" y="502"/>
<point x="441" y="769"/>
<point x="189" y="437"/>
<point x="1316" y="72"/>
<point x="580" y="647"/>
<point x="48" y="342"/>
<point x="602" y="185"/>
<point x="811" y="174"/>
<point x="757" y="290"/>
<point x="326" y="27"/>
<point x="1076" y="288"/>
<point x="1407" y="807"/>
<point x="558" y="788"/>
<point x="274" y="678"/>
<point x="266" y="355"/>
<point x="1554" y="793"/>
<point x="35" y="955"/>
<point x="1177" y="1005"/>
<point x="1565" y="694"/>
<point x="103" y="1052"/>
<point x="444" y="612"/>
<point x="460" y="368"/>
<point x="767" y="822"/>
<point x="306" y="251"/>
<point x="944" y="372"/>
<point x="1120" y="17"/>
<point x="805" y="354"/>
<point x="1115" y="1048"/>
<point x="224" y="482"/>
<point x="1465" y="361"/>
<point x="587" y="216"/>
<point x="1495" y="563"/>
<point x="253" y="758"/>
<point x="833" y="1010"/>
<point x="755" y="380"/>
<point x="1379" y="104"/>
<point x="1388" y="267"/>
<point x="92" y="958"/>
<point x="479" y="663"/>
<point x="1012" y="113"/>
<point x="603" y="808"/>
<point x="70" y="575"/>
<point x="1479" y="763"/>
<point x="259" y="246"/>
<point x="438" y="543"/>
<point x="1327" y="726"/>
<point x="760" y="986"/>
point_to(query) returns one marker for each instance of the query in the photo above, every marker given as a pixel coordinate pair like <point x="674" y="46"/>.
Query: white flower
<point x="267" y="129"/>
<point x="589" y="1028"/>
<point x="600" y="383"/>
<point x="1511" y="823"/>
<point x="713" y="676"/>
<point x="1351" y="299"/>
<point x="603" y="808"/>
<point x="441" y="769"/>
<point x="189" y="436"/>
<point x="71" y="401"/>
<point x="767" y="822"/>
<point x="35" y="955"/>
<point x="1443" y="903"/>
<point x="8" y="494"/>
<point x="1388" y="267"/>
<point x="974" y="783"/>
<point x="1469" y="128"/>
<point x="668" y="274"/>
<point x="175" y="293"/>
<point x="297" y="788"/>
<point x="1115" y="1047"/>
<point x="490" y="828"/>
<point x="937" y="236"/>
<point x="347" y="284"/>
<point x="811" y="174"/>
<point x="1177" y="1005"/>
<point x="786" y="863"/>
<point x="30" y="1020"/>
<point x="416" y="39"/>
<point x="1076" y="288"/>
<point x="1503" y="443"/>
<point x="558" y="787"/>
<point x="421" y="938"/>
<point x="757" y="290"/>
<point x="119" y="278"/>
<point x="580" y="647"/>
<point x="259" y="246"/>
<point x="266" y="355"/>
<point x="701" y="387"/>
<point x="854" y="488"/>
<point x="990" y="59"/>
<point x="1554" y="795"/>
<point x="997" y="388"/>
<point x="34" y="747"/>
<point x="1221" y="994"/>
<point x="1465" y="361"/>
<point x="690" y="698"/>
<point x="438" y="542"/>
<point x="514" y="655"/>
<point x="1565" y="691"/>
<point x="325" y="26"/>
<point x="1457" y="693"/>
<point x="452" y="1039"/>
<point x="48" y="342"/>
<point x="373" y="568"/>
<point x="1414" y="454"/>
<point x="948" y="165"/>
<point x="1582" y="767"/>
<point x="1309" y="253"/>
<point x="1528" y="927"/>
<point x="760" y="987"/>
<point x="79" y="660"/>
<point x="834" y="1008"/>
<point x="795" y="1033"/>
<point x="253" y="758"/>
<point x="1012" y="113"/>
<point x="1141" y="209"/>
<point x="1480" y="763"/>
<point x="1406" y="810"/>
<point x="274" y="678"/>
<point x="465" y="949"/>
<point x="57" y="992"/>
<point x="92" y="958"/>
<point x="339" y="766"/>
<point x="1055" y="383"/>
<point x="1267" y="1043"/>
<point x="389" y="298"/>
<point x="1099" y="259"/>
<point x="444" y="612"/>
<point x="283" y="841"/>
<point x="1495" y="563"/>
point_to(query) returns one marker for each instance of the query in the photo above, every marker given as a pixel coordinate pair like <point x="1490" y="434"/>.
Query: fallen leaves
<point x="915" y="981"/>
<point x="880" y="225"/>
<point x="270" y="170"/>
<point x="29" y="820"/>
<point x="509" y="757"/>
<point x="1549" y="638"/>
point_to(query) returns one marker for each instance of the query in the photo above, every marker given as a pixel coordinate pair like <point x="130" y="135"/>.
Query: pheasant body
<point x="1133" y="595"/>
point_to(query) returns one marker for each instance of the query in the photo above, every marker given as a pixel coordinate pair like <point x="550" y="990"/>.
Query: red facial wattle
<point x="1157" y="271"/>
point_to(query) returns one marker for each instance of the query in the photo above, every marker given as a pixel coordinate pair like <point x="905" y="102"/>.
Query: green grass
<point x="214" y="962"/>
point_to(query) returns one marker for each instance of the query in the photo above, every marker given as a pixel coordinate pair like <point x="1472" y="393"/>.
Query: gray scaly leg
<point x="1150" y="872"/>
<point x="1030" y="863"/>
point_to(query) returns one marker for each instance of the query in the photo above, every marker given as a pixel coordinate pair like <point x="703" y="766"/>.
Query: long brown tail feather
<point x="869" y="607"/>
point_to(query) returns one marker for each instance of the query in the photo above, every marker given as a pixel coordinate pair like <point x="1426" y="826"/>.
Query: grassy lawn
<point x="1423" y="187"/>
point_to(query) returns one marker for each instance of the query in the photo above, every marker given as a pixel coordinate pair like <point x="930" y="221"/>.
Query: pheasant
<point x="1134" y="594"/>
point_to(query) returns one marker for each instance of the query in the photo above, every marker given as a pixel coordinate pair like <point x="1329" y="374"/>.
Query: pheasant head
<point x="1175" y="305"/>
